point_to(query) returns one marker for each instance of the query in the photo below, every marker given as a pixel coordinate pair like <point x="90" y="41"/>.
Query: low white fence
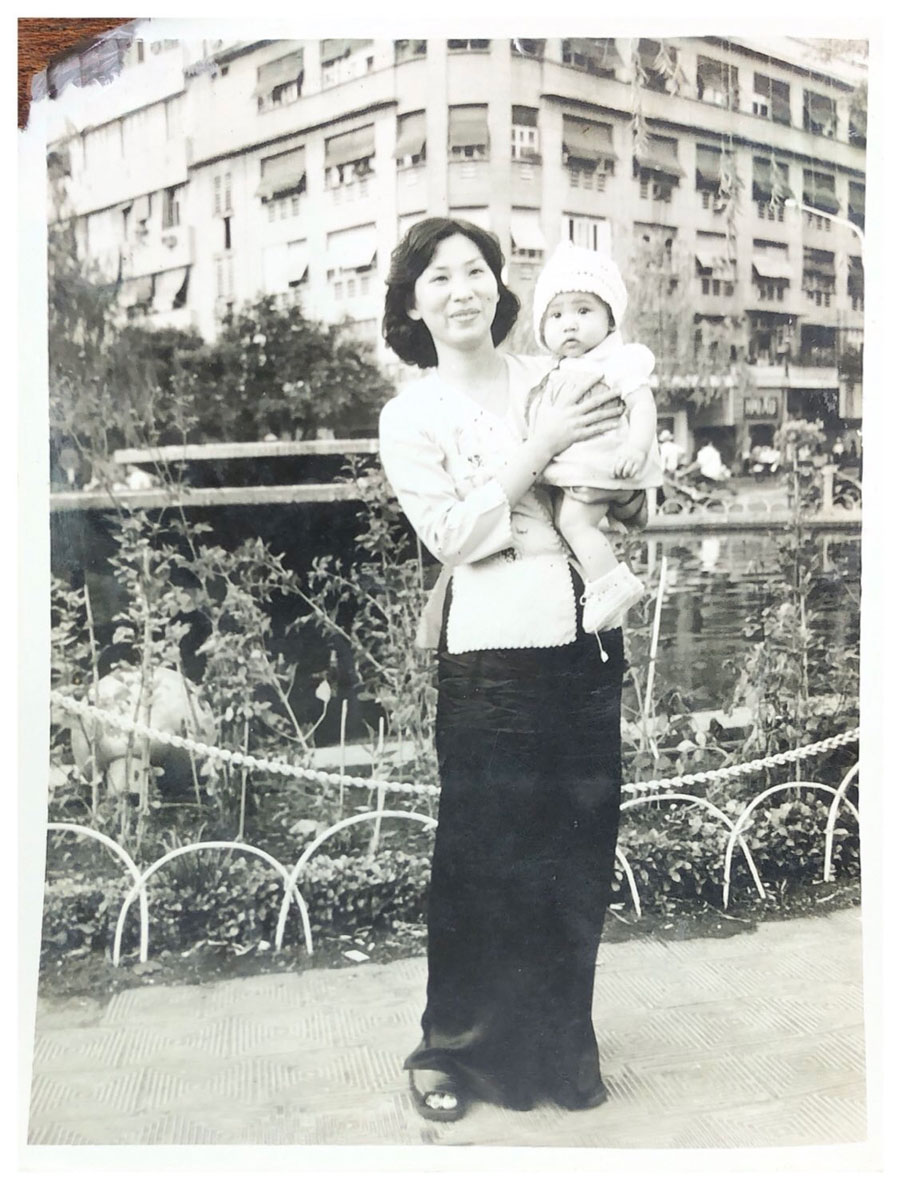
<point x="638" y="794"/>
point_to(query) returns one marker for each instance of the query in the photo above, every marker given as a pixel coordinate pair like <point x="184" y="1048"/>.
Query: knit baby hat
<point x="574" y="268"/>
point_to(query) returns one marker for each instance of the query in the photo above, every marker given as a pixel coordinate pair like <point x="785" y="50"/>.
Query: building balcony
<point x="790" y="376"/>
<point x="412" y="189"/>
<point x="159" y="251"/>
<point x="468" y="183"/>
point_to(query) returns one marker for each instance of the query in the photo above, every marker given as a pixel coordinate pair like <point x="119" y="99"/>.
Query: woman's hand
<point x="576" y="407"/>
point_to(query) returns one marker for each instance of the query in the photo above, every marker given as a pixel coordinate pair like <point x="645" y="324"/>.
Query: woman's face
<point x="456" y="296"/>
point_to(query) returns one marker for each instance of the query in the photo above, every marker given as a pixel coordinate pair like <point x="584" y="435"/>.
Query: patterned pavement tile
<point x="760" y="1047"/>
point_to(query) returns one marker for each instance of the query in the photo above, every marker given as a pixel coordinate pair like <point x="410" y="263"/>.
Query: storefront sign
<point x="761" y="406"/>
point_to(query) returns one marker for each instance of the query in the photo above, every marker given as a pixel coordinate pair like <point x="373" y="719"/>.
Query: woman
<point x="527" y="729"/>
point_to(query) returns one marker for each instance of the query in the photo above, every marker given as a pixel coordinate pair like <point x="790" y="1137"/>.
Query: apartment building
<point x="211" y="174"/>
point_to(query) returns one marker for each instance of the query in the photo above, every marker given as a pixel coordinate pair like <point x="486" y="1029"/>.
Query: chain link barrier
<point x="234" y="758"/>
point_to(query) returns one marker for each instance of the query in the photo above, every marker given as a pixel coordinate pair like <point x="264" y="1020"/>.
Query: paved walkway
<point x="754" y="1040"/>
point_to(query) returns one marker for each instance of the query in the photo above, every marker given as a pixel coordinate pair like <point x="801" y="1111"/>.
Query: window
<point x="766" y="211"/>
<point x="525" y="143"/>
<point x="856" y="131"/>
<point x="591" y="232"/>
<point x="772" y="99"/>
<point x="468" y="132"/>
<point x="658" y="63"/>
<point x="527" y="47"/>
<point x="588" y="152"/>
<point x="283" y="174"/>
<point x="772" y="270"/>
<point x="657" y="168"/>
<point x="712" y="165"/>
<point x="171" y="212"/>
<point x="717" y="83"/>
<point x="348" y="163"/>
<point x="350" y="259"/>
<point x="344" y="59"/>
<point x="410" y="149"/>
<point x="819" y="114"/>
<point x="225" y="277"/>
<point x="596" y="55"/>
<point x="818" y="276"/>
<point x="818" y="190"/>
<point x="405" y="51"/>
<point x="770" y="181"/>
<point x="526" y="236"/>
<point x="279" y="82"/>
<point x="855" y="285"/>
<point x="222" y="194"/>
<point x="469" y="46"/>
<point x="226" y="221"/>
<point x="714" y="266"/>
<point x="856" y="204"/>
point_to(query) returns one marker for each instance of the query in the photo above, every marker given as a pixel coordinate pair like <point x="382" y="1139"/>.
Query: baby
<point x="579" y="301"/>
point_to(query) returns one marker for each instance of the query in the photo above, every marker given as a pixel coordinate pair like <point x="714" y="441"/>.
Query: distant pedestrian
<point x="671" y="453"/>
<point x="709" y="462"/>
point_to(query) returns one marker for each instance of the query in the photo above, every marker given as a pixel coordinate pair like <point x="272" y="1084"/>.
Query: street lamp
<point x="841" y="221"/>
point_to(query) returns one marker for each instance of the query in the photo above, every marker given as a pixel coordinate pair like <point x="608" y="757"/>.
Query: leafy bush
<point x="234" y="899"/>
<point x="677" y="851"/>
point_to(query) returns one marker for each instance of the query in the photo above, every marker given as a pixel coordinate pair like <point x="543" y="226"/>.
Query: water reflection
<point x="717" y="584"/>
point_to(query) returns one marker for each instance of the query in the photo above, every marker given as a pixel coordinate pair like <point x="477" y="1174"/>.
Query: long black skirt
<point x="528" y="745"/>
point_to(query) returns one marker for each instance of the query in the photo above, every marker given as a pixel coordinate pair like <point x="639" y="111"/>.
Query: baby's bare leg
<point x="629" y="508"/>
<point x="579" y="523"/>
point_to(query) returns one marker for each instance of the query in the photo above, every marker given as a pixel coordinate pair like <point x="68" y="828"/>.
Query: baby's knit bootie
<point x="607" y="599"/>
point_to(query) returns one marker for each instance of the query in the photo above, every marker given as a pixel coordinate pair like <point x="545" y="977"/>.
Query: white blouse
<point x="440" y="450"/>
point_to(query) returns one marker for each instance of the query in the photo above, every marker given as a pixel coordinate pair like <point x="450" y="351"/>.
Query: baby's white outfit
<point x="625" y="368"/>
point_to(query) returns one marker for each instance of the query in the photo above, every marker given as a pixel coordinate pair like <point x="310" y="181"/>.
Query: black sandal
<point x="441" y="1114"/>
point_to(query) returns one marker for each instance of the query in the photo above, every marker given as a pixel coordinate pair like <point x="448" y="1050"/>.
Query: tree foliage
<point x="697" y="357"/>
<point x="271" y="370"/>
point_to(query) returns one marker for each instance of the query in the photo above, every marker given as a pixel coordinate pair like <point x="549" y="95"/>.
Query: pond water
<point x="717" y="583"/>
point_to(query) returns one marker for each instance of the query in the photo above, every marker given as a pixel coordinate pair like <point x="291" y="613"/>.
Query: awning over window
<point x="525" y="231"/>
<point x="297" y="262"/>
<point x="763" y="177"/>
<point x="768" y="267"/>
<point x="818" y="191"/>
<point x="714" y="74"/>
<point x="820" y="106"/>
<point x="661" y="155"/>
<point x="167" y="286"/>
<point x="713" y="260"/>
<point x="350" y="147"/>
<point x="820" y="261"/>
<point x="709" y="167"/>
<point x="585" y="140"/>
<point x="136" y="291"/>
<point x="282" y="173"/>
<point x="468" y="127"/>
<point x="410" y="135"/>
<point x="855" y="281"/>
<point x="601" y="49"/>
<point x="338" y="47"/>
<point x="351" y="250"/>
<point x="278" y="73"/>
<point x="856" y="202"/>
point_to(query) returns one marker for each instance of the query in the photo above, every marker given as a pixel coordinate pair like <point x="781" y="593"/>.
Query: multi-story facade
<point x="213" y="174"/>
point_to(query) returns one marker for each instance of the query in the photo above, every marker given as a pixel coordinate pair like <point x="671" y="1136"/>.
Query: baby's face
<point x="575" y="322"/>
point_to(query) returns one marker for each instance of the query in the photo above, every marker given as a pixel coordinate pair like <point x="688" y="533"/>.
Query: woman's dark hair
<point x="410" y="339"/>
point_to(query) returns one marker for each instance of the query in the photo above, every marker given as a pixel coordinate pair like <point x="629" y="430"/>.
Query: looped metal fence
<point x="647" y="792"/>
